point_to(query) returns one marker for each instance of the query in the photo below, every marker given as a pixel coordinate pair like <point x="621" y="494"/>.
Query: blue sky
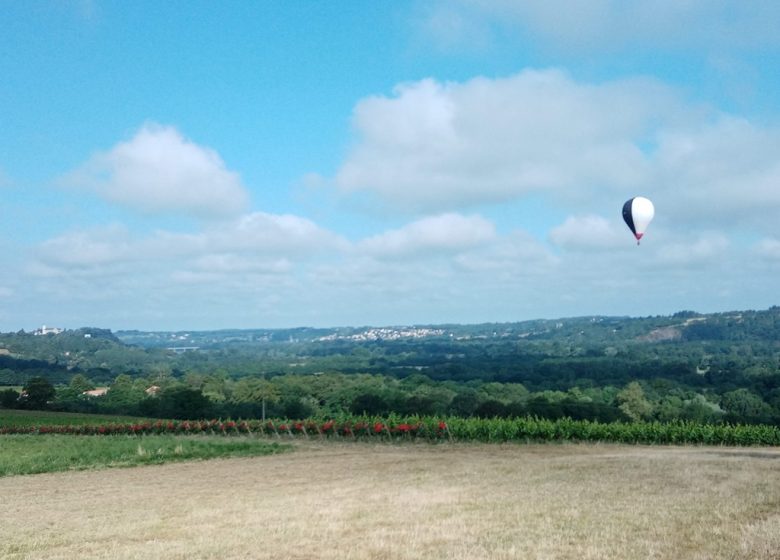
<point x="201" y="165"/>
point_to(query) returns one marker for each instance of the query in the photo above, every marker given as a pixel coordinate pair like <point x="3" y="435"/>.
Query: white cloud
<point x="768" y="248"/>
<point x="495" y="279"/>
<point x="239" y="272"/>
<point x="512" y="256"/>
<point x="711" y="247"/>
<point x="278" y="233"/>
<point x="443" y="146"/>
<point x="724" y="172"/>
<point x="95" y="248"/>
<point x="159" y="171"/>
<point x="588" y="232"/>
<point x="446" y="233"/>
<point x="258" y="233"/>
<point x="453" y="26"/>
<point x="254" y="242"/>
<point x="231" y="263"/>
<point x="589" y="25"/>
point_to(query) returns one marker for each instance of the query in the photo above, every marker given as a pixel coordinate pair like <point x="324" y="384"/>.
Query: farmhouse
<point x="99" y="392"/>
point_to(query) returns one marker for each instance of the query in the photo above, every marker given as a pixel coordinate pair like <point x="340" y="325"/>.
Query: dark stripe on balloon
<point x="628" y="216"/>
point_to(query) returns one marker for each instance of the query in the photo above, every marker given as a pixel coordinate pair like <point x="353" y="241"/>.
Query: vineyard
<point x="397" y="428"/>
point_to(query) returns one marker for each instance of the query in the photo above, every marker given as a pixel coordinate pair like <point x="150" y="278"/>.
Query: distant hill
<point x="543" y="354"/>
<point x="682" y="326"/>
<point x="711" y="367"/>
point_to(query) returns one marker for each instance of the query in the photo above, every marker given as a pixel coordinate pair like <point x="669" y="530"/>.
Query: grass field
<point x="330" y="500"/>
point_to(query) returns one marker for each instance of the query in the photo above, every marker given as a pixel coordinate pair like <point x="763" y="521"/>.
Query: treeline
<point x="711" y="368"/>
<point x="196" y="396"/>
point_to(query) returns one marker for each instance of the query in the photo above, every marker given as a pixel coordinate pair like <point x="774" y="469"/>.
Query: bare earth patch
<point x="368" y="501"/>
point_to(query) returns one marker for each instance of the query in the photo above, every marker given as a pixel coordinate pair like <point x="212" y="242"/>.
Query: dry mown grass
<point x="368" y="501"/>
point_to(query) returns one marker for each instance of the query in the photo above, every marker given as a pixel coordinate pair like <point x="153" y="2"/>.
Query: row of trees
<point x="299" y="396"/>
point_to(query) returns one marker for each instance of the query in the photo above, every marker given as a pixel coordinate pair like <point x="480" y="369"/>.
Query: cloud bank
<point x="438" y="147"/>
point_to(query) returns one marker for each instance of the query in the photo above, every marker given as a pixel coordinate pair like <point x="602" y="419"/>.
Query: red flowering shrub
<point x="361" y="427"/>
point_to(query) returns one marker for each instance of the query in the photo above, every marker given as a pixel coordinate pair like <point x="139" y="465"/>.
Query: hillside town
<point x="386" y="333"/>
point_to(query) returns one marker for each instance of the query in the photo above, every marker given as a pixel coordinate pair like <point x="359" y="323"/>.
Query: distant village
<point x="386" y="334"/>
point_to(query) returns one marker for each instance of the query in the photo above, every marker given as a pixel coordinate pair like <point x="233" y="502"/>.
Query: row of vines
<point x="495" y="430"/>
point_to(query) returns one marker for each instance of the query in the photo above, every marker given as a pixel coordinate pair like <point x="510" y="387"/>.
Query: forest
<point x="710" y="368"/>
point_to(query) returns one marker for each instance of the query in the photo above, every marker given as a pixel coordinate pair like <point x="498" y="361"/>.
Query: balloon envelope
<point x="638" y="212"/>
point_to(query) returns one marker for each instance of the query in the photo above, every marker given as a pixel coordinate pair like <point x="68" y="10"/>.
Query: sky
<point x="206" y="165"/>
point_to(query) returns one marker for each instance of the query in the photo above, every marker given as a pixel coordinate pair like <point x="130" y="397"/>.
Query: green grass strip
<point x="32" y="454"/>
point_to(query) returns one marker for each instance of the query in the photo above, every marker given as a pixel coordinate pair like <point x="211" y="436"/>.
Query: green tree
<point x="491" y="408"/>
<point x="9" y="398"/>
<point x="296" y="407"/>
<point x="194" y="380"/>
<point x="464" y="403"/>
<point x="8" y="376"/>
<point x="254" y="390"/>
<point x="79" y="383"/>
<point x="743" y="405"/>
<point x="700" y="410"/>
<point x="71" y="397"/>
<point x="37" y="393"/>
<point x="161" y="375"/>
<point x="504" y="392"/>
<point x="183" y="403"/>
<point x="670" y="408"/>
<point x="123" y="396"/>
<point x="369" y="403"/>
<point x="632" y="402"/>
<point x="215" y="388"/>
<point x="430" y="400"/>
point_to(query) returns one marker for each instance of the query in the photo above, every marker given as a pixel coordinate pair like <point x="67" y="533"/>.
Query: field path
<point x="342" y="501"/>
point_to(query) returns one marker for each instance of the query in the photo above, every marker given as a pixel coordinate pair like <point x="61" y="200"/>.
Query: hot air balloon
<point x="638" y="212"/>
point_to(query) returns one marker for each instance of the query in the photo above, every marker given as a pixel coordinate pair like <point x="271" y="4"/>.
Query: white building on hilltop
<point x="48" y="330"/>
